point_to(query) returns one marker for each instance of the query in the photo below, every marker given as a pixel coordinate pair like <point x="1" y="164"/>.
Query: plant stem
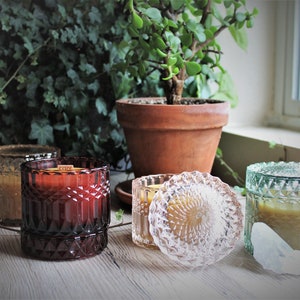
<point x="239" y="180"/>
<point x="13" y="76"/>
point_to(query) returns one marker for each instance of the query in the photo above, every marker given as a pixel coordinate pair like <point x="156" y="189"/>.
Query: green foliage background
<point x="56" y="87"/>
<point x="59" y="75"/>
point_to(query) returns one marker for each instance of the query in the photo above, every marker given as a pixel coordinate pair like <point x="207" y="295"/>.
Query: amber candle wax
<point x="143" y="191"/>
<point x="65" y="207"/>
<point x="11" y="157"/>
<point x="273" y="197"/>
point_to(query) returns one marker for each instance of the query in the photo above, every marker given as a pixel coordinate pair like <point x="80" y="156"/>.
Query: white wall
<point x="244" y="140"/>
<point x="252" y="71"/>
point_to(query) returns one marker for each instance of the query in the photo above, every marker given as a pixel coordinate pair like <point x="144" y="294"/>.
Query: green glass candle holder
<point x="273" y="197"/>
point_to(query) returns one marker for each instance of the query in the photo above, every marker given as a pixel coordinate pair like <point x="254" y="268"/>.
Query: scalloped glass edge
<point x="200" y="244"/>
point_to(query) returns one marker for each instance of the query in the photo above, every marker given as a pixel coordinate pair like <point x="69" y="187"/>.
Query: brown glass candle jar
<point x="65" y="207"/>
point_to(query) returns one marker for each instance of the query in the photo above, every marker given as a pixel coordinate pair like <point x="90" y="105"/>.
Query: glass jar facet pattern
<point x="143" y="191"/>
<point x="273" y="197"/>
<point x="11" y="157"/>
<point x="65" y="214"/>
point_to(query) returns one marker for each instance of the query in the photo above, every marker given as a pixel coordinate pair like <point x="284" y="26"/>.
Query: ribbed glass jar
<point x="11" y="157"/>
<point x="273" y="197"/>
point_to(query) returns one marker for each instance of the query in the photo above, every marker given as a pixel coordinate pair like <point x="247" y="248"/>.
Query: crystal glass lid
<point x="276" y="169"/>
<point x="195" y="218"/>
<point x="270" y="178"/>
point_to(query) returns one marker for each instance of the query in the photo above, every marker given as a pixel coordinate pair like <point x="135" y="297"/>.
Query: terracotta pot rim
<point x="155" y="101"/>
<point x="173" y="117"/>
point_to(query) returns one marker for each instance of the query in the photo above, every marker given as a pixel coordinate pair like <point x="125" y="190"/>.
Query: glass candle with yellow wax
<point x="11" y="157"/>
<point x="273" y="197"/>
<point x="143" y="191"/>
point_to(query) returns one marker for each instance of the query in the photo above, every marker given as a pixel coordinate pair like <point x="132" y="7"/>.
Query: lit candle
<point x="66" y="204"/>
<point x="70" y="195"/>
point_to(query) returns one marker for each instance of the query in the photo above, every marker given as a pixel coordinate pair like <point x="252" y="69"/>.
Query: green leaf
<point x="241" y="17"/>
<point x="93" y="35"/>
<point x="87" y="68"/>
<point x="154" y="14"/>
<point x="28" y="45"/>
<point x="255" y="12"/>
<point x="116" y="136"/>
<point x="171" y="23"/>
<point x="160" y="53"/>
<point x="119" y="214"/>
<point x="177" y="4"/>
<point x="240" y="37"/>
<point x="101" y="106"/>
<point x="192" y="68"/>
<point x="219" y="152"/>
<point x="73" y="75"/>
<point x="227" y="3"/>
<point x="187" y="39"/>
<point x="250" y="22"/>
<point x="272" y="144"/>
<point x="94" y="86"/>
<point x="94" y="15"/>
<point x="173" y="41"/>
<point x="159" y="43"/>
<point x="171" y="61"/>
<point x="62" y="11"/>
<point x="41" y="132"/>
<point x="137" y="21"/>
<point x="175" y="70"/>
<point x="226" y="91"/>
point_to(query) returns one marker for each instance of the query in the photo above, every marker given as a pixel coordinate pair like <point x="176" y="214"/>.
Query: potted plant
<point x="175" y="41"/>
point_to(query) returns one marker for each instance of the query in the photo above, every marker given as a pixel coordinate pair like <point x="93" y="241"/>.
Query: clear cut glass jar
<point x="143" y="191"/>
<point x="11" y="157"/>
<point x="273" y="197"/>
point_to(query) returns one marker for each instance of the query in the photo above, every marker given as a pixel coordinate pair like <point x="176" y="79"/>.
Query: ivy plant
<point x="55" y="82"/>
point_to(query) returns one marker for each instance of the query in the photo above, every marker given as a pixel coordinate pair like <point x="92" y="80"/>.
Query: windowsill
<point x="245" y="145"/>
<point x="280" y="136"/>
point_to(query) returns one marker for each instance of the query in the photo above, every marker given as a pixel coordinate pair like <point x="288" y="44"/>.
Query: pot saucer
<point x="123" y="191"/>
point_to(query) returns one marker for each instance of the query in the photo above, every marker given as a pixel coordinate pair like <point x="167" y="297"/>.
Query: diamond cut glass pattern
<point x="65" y="214"/>
<point x="273" y="197"/>
<point x="143" y="191"/>
<point x="195" y="218"/>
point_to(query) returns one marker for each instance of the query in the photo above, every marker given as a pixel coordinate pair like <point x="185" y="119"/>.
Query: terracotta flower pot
<point x="171" y="138"/>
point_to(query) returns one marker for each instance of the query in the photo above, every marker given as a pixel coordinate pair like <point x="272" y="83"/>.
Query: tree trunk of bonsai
<point x="173" y="90"/>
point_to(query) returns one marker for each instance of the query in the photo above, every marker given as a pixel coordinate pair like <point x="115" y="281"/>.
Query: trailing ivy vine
<point x="55" y="82"/>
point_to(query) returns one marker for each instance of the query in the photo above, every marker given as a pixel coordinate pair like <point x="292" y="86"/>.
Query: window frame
<point x="286" y="112"/>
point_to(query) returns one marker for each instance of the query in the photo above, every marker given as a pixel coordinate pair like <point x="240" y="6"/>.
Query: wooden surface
<point x="125" y="271"/>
